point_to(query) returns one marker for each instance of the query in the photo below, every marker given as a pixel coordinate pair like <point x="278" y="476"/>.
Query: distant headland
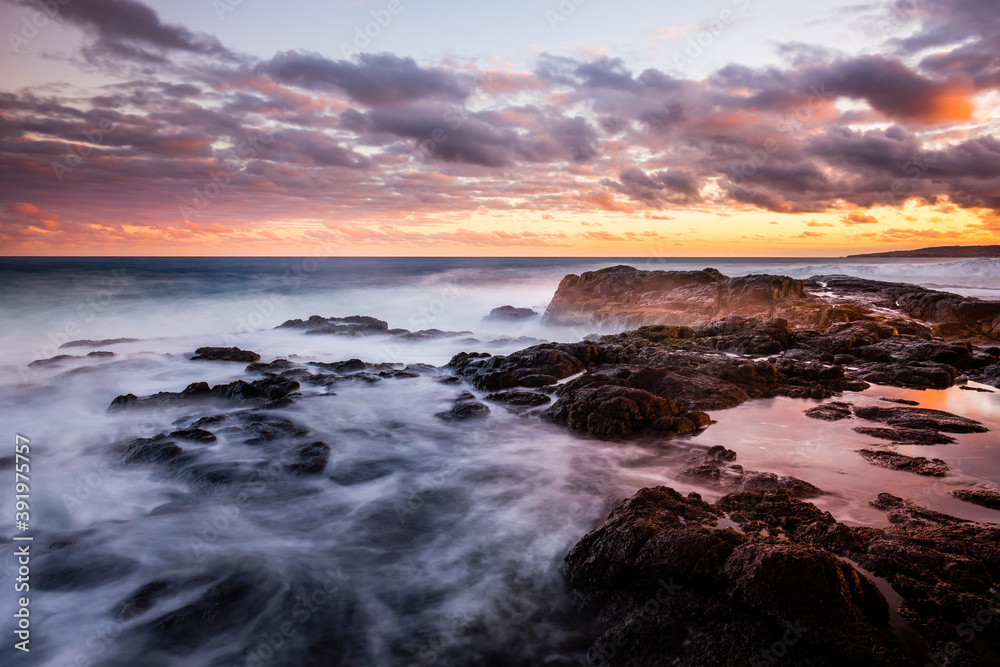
<point x="942" y="251"/>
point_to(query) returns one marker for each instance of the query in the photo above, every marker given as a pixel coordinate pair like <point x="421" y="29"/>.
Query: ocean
<point x="422" y="542"/>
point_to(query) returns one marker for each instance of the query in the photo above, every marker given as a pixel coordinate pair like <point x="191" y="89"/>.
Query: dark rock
<point x="310" y="460"/>
<point x="466" y="407"/>
<point x="42" y="363"/>
<point x="258" y="428"/>
<point x="260" y="391"/>
<point x="920" y="418"/>
<point x="830" y="412"/>
<point x="895" y="461"/>
<point x="276" y="366"/>
<point x="985" y="497"/>
<point x="194" y="434"/>
<point x="519" y="399"/>
<point x="225" y="354"/>
<point x="355" y="325"/>
<point x="900" y="401"/>
<point x="97" y="343"/>
<point x="510" y="314"/>
<point x="723" y="596"/>
<point x="906" y="436"/>
<point x="712" y="469"/>
<point x="100" y="353"/>
<point x="157" y="449"/>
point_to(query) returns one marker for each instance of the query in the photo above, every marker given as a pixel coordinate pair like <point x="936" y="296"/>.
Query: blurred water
<point x="423" y="542"/>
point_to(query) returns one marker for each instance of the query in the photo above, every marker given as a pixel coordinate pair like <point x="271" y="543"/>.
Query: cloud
<point x="858" y="218"/>
<point x="130" y="29"/>
<point x="373" y="80"/>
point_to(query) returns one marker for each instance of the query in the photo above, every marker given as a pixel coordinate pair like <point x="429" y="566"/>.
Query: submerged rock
<point x="830" y="412"/>
<point x="985" y="497"/>
<point x="225" y="354"/>
<point x="896" y="461"/>
<point x="920" y="418"/>
<point x="269" y="389"/>
<point x="510" y="314"/>
<point x="466" y="407"/>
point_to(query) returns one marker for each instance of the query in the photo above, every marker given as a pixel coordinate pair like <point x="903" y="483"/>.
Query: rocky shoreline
<point x="761" y="575"/>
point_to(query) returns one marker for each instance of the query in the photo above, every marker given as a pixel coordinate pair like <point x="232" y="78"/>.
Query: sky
<point x="535" y="128"/>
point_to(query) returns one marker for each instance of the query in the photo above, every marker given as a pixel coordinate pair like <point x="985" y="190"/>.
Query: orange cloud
<point x="858" y="218"/>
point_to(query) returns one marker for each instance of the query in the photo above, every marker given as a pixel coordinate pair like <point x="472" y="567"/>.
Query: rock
<point x="263" y="392"/>
<point x="985" y="497"/>
<point x="712" y="468"/>
<point x="895" y="461"/>
<point x="906" y="436"/>
<point x="908" y="514"/>
<point x="900" y="401"/>
<point x="723" y="596"/>
<point x="98" y="343"/>
<point x="920" y="418"/>
<point x="194" y="434"/>
<point x="310" y="460"/>
<point x="510" y="314"/>
<point x="614" y="410"/>
<point x="355" y="325"/>
<point x="58" y="359"/>
<point x="157" y="449"/>
<point x="830" y="412"/>
<point x="225" y="354"/>
<point x="466" y="407"/>
<point x="100" y="353"/>
<point x="519" y="399"/>
<point x="625" y="296"/>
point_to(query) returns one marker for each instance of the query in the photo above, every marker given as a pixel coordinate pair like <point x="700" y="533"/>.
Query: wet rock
<point x="310" y="460"/>
<point x="259" y="428"/>
<point x="510" y="314"/>
<point x="615" y="410"/>
<point x="490" y="373"/>
<point x="908" y="514"/>
<point x="259" y="391"/>
<point x="722" y="596"/>
<point x="157" y="449"/>
<point x="466" y="407"/>
<point x="58" y="359"/>
<point x="900" y="401"/>
<point x="830" y="412"/>
<point x="355" y="325"/>
<point x="920" y="418"/>
<point x="101" y="354"/>
<point x="985" y="497"/>
<point x="275" y="367"/>
<point x="906" y="436"/>
<point x="194" y="434"/>
<point x="896" y="461"/>
<point x="225" y="354"/>
<point x="713" y="468"/>
<point x="945" y="569"/>
<point x="978" y="389"/>
<point x="519" y="399"/>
